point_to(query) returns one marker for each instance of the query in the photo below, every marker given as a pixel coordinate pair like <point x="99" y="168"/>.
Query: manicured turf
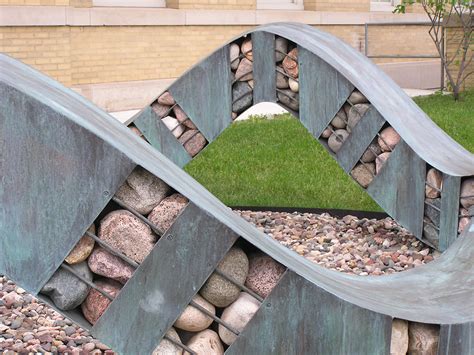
<point x="277" y="162"/>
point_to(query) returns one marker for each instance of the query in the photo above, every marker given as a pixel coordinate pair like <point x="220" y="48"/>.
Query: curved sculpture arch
<point x="46" y="127"/>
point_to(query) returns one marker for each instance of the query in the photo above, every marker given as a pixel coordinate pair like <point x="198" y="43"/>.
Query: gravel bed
<point x="351" y="245"/>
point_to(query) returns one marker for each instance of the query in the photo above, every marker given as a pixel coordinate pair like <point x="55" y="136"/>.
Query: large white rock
<point x="237" y="315"/>
<point x="192" y="319"/>
<point x="168" y="348"/>
<point x="206" y="342"/>
<point x="173" y="125"/>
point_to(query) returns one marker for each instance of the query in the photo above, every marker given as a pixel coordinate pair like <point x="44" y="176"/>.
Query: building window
<point x="383" y="5"/>
<point x="130" y="3"/>
<point x="280" y="5"/>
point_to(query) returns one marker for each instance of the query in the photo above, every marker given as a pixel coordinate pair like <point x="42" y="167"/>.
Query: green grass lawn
<point x="278" y="163"/>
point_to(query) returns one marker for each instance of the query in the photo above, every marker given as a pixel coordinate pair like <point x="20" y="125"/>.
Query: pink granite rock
<point x="467" y="193"/>
<point x="193" y="142"/>
<point x="103" y="263"/>
<point x="166" y="99"/>
<point x="96" y="303"/>
<point x="160" y="110"/>
<point x="167" y="210"/>
<point x="127" y="233"/>
<point x="388" y="139"/>
<point x="434" y="180"/>
<point x="180" y="115"/>
<point x="244" y="70"/>
<point x="264" y="273"/>
<point x="290" y="63"/>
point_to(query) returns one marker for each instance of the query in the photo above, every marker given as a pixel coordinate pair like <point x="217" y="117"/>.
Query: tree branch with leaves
<point x="458" y="15"/>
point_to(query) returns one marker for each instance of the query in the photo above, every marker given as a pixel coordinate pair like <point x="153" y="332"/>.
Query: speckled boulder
<point x="206" y="342"/>
<point x="289" y="98"/>
<point x="193" y="141"/>
<point x="168" y="348"/>
<point x="399" y="342"/>
<point x="364" y="174"/>
<point x="103" y="263"/>
<point x="66" y="290"/>
<point x="337" y="139"/>
<point x="281" y="47"/>
<point x="160" y="110"/>
<point x="192" y="319"/>
<point x="167" y="211"/>
<point x="388" y="139"/>
<point x="83" y="249"/>
<point x="221" y="292"/>
<point x="180" y="115"/>
<point x="264" y="273"/>
<point x="467" y="193"/>
<point x="142" y="191"/>
<point x="237" y="315"/>
<point x="127" y="233"/>
<point x="96" y="303"/>
<point x="423" y="339"/>
<point x="241" y="96"/>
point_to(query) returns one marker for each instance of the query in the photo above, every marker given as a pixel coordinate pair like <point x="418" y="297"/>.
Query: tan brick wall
<point x="87" y="55"/>
<point x="453" y="37"/>
<point x="213" y="4"/>
<point x="337" y="5"/>
<point x="35" y="2"/>
<point x="47" y="49"/>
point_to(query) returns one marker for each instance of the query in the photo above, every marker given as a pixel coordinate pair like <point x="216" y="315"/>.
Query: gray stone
<point x="243" y="91"/>
<point x="290" y="99"/>
<point x="371" y="153"/>
<point x="357" y="98"/>
<point x="364" y="173"/>
<point x="142" y="191"/>
<point x="431" y="212"/>
<point x="467" y="193"/>
<point x="281" y="80"/>
<point x="281" y="47"/>
<point x="221" y="292"/>
<point x="355" y="115"/>
<point x="336" y="139"/>
<point x="66" y="290"/>
<point x="430" y="233"/>
<point x="193" y="141"/>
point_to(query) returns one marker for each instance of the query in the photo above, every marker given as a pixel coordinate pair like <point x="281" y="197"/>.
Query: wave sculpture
<point x="130" y="264"/>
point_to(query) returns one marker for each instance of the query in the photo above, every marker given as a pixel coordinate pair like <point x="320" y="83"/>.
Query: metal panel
<point x="56" y="178"/>
<point x="456" y="339"/>
<point x="165" y="282"/>
<point x="399" y="188"/>
<point x="160" y="137"/>
<point x="264" y="68"/>
<point x="323" y="91"/>
<point x="205" y="94"/>
<point x="298" y="317"/>
<point x="359" y="139"/>
<point x="448" y="225"/>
